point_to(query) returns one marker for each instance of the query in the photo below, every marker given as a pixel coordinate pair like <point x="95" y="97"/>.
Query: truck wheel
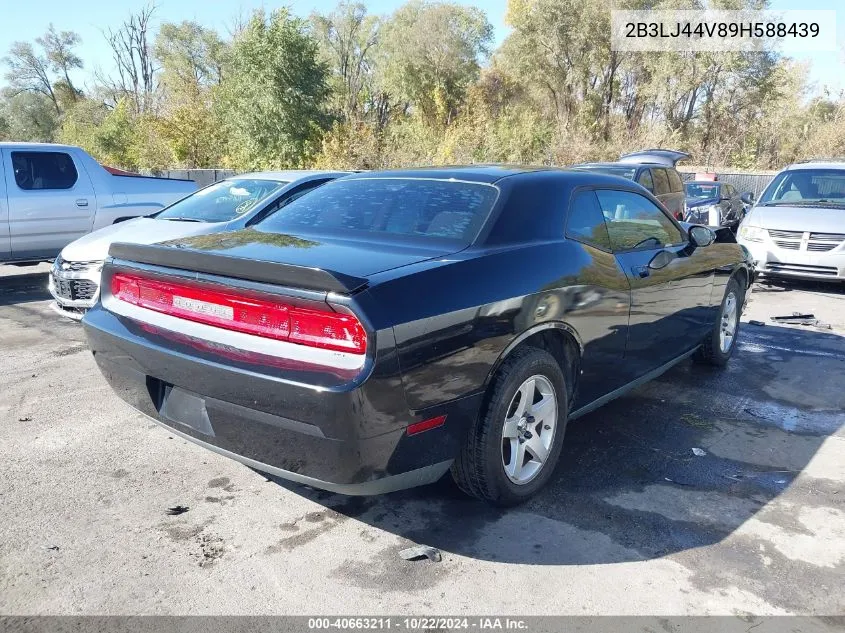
<point x="719" y="345"/>
<point x="513" y="447"/>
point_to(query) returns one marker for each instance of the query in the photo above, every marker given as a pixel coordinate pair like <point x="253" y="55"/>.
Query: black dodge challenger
<point x="389" y="327"/>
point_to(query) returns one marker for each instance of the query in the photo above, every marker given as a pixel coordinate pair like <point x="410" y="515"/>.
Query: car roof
<point x="817" y="164"/>
<point x="289" y="175"/>
<point x="703" y="182"/>
<point x="620" y="165"/>
<point x="28" y="145"/>
<point x="490" y="174"/>
<point x="469" y="173"/>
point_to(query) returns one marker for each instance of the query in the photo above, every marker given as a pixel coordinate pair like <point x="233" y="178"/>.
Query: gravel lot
<point x="633" y="522"/>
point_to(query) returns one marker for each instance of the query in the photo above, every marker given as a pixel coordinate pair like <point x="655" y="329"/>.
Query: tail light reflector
<point x="426" y="425"/>
<point x="240" y="313"/>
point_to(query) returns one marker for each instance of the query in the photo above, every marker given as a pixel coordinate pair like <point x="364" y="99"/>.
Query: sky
<point x="90" y="17"/>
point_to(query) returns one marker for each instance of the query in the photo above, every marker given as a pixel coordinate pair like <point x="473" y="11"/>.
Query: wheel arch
<point x="742" y="276"/>
<point x="558" y="338"/>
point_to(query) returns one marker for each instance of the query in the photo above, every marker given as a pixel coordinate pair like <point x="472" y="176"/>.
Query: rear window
<point x="697" y="190"/>
<point x="441" y="209"/>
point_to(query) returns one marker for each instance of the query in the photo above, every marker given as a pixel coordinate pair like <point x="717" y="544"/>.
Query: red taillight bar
<point x="240" y="313"/>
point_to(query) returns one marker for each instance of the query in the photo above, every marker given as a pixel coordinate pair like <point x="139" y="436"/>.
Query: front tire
<point x="718" y="347"/>
<point x="513" y="447"/>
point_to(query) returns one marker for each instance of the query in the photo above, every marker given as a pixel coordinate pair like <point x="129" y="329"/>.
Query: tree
<point x="58" y="47"/>
<point x="348" y="37"/>
<point x="133" y="57"/>
<point x="193" y="59"/>
<point x="274" y="97"/>
<point x="27" y="116"/>
<point x="431" y="53"/>
<point x="191" y="56"/>
<point x="30" y="72"/>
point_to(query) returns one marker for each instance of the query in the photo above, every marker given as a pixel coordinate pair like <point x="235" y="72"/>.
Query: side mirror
<point x="747" y="197"/>
<point x="701" y="236"/>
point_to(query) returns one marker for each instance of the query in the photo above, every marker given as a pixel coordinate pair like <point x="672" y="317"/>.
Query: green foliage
<point x="347" y="89"/>
<point x="430" y="54"/>
<point x="27" y="116"/>
<point x="273" y="102"/>
<point x="348" y="38"/>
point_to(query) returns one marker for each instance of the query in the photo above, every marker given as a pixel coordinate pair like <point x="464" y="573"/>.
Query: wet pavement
<point x="634" y="521"/>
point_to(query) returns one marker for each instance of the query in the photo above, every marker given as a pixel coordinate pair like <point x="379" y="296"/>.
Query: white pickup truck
<point x="51" y="195"/>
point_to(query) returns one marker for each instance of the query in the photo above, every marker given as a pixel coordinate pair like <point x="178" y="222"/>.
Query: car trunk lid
<point x="329" y="264"/>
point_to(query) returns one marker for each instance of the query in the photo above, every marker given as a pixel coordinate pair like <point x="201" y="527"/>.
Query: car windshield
<point x="222" y="201"/>
<point x="806" y="187"/>
<point x="700" y="191"/>
<point x="385" y="207"/>
<point x="611" y="170"/>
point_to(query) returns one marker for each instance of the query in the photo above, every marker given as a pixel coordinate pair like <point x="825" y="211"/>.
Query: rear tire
<point x="718" y="347"/>
<point x="513" y="447"/>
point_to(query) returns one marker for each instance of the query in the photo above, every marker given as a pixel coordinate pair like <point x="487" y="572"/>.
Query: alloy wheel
<point x="529" y="429"/>
<point x="727" y="329"/>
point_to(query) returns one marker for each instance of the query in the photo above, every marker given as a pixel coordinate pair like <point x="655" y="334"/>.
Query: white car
<point x="230" y="204"/>
<point x="797" y="227"/>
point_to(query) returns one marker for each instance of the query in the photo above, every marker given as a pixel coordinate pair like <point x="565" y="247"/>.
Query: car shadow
<point x="783" y="284"/>
<point x="23" y="288"/>
<point x="629" y="486"/>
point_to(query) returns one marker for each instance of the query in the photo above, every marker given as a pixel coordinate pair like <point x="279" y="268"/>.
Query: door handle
<point x="640" y="271"/>
<point x="81" y="202"/>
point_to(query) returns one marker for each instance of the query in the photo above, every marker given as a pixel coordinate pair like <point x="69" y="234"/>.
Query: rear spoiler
<point x="238" y="268"/>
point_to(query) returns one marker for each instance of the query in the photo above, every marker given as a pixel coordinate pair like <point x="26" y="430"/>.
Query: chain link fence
<point x="743" y="182"/>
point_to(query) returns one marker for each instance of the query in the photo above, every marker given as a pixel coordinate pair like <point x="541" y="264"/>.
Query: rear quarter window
<point x="411" y="207"/>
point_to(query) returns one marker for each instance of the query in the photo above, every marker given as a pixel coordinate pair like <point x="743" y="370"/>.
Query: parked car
<point x="389" y="327"/>
<point x="51" y="195"/>
<point x="714" y="204"/>
<point x="797" y="227"/>
<point x="654" y="169"/>
<point x="229" y="204"/>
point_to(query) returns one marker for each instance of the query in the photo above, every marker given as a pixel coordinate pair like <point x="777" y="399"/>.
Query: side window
<point x="43" y="170"/>
<point x="586" y="221"/>
<point x="645" y="180"/>
<point x="675" y="182"/>
<point x="661" y="182"/>
<point x="633" y="221"/>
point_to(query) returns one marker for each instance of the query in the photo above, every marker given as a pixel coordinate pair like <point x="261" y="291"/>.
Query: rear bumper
<point x="348" y="438"/>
